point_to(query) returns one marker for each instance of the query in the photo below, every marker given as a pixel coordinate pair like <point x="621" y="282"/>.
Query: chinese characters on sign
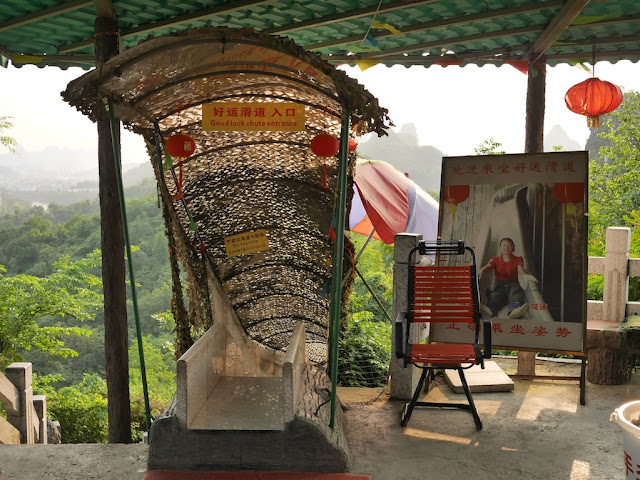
<point x="245" y="243"/>
<point x="253" y="116"/>
<point x="492" y="169"/>
<point x="517" y="328"/>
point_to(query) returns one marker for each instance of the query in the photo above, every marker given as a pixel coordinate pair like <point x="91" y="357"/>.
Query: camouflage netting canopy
<point x="238" y="182"/>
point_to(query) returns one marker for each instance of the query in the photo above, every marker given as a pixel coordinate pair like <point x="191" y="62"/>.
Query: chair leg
<point x="472" y="406"/>
<point x="408" y="407"/>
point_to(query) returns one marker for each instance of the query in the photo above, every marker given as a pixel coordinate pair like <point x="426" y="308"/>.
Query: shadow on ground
<point x="537" y="431"/>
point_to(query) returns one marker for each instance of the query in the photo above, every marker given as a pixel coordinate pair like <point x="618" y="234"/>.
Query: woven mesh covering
<point x="239" y="182"/>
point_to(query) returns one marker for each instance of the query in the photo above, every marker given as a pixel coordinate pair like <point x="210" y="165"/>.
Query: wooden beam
<point x="497" y="56"/>
<point x="171" y="22"/>
<point x="621" y="54"/>
<point x="104" y="8"/>
<point x="20" y="59"/>
<point x="557" y="27"/>
<point x="44" y="13"/>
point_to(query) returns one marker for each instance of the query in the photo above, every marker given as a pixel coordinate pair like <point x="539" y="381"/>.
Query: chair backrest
<point x="447" y="291"/>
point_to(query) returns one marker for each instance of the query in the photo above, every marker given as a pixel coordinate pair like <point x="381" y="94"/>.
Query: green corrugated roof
<point x="428" y="31"/>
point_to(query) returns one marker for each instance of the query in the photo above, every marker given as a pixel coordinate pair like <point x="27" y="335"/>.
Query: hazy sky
<point x="454" y="109"/>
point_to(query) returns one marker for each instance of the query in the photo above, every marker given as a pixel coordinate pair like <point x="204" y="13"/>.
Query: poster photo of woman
<point x="525" y="216"/>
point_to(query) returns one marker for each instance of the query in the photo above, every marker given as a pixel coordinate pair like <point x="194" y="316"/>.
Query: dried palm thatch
<point x="239" y="181"/>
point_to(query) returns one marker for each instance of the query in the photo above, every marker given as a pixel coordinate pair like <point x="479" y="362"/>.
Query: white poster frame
<point x="536" y="201"/>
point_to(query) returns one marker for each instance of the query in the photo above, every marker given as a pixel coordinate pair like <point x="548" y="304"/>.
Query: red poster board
<point x="538" y="202"/>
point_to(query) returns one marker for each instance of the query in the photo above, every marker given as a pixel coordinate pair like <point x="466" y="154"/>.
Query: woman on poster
<point x="506" y="290"/>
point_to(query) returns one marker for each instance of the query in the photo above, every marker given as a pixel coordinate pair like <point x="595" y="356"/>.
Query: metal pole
<point x="562" y="261"/>
<point x="375" y="297"/>
<point x="336" y="270"/>
<point x="544" y="233"/>
<point x="134" y="297"/>
<point x="355" y="262"/>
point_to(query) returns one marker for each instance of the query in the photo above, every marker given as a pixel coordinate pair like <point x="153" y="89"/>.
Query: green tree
<point x="489" y="147"/>
<point x="365" y="351"/>
<point x="365" y="340"/>
<point x="614" y="176"/>
<point x="81" y="409"/>
<point x="5" y="140"/>
<point x="32" y="238"/>
<point x="161" y="380"/>
<point x="30" y="305"/>
<point x="614" y="193"/>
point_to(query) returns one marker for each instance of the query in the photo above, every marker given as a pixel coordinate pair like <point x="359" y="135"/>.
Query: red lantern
<point x="456" y="194"/>
<point x="180" y="146"/>
<point x="352" y="145"/>
<point x="324" y="145"/>
<point x="593" y="97"/>
<point x="569" y="194"/>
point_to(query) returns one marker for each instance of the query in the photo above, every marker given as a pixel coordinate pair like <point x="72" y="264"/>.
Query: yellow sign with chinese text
<point x="245" y="243"/>
<point x="253" y="116"/>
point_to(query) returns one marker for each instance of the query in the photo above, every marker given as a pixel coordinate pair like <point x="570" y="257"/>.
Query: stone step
<point x="491" y="379"/>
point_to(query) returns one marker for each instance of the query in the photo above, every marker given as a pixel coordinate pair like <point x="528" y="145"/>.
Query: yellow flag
<point x="26" y="59"/>
<point x="364" y="64"/>
<point x="386" y="26"/>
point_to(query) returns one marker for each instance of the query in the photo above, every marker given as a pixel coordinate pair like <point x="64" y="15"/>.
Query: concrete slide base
<point x="305" y="444"/>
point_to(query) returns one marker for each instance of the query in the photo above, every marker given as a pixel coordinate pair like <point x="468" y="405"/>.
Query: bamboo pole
<point x="336" y="273"/>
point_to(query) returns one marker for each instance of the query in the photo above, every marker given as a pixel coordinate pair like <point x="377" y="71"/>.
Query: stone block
<point x="490" y="379"/>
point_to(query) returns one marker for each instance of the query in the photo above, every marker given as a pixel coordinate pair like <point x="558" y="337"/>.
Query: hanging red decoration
<point x="352" y="145"/>
<point x="456" y="194"/>
<point x="324" y="145"/>
<point x="593" y="97"/>
<point x="569" y="194"/>
<point x="180" y="146"/>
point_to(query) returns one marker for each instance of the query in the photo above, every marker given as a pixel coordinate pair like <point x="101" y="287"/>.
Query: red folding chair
<point x="445" y="292"/>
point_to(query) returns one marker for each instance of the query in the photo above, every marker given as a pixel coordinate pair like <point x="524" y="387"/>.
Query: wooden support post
<point x="534" y="126"/>
<point x="534" y="143"/>
<point x="116" y="351"/>
<point x="20" y="375"/>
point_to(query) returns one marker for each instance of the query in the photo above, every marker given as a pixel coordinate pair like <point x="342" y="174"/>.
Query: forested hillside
<point x="32" y="239"/>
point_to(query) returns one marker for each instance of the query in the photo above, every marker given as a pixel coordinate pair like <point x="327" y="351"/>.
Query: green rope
<point x="134" y="298"/>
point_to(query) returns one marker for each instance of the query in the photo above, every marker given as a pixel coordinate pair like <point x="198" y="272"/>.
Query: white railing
<point x="26" y="420"/>
<point x="617" y="267"/>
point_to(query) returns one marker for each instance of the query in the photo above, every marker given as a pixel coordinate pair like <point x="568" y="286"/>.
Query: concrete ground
<point x="537" y="431"/>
